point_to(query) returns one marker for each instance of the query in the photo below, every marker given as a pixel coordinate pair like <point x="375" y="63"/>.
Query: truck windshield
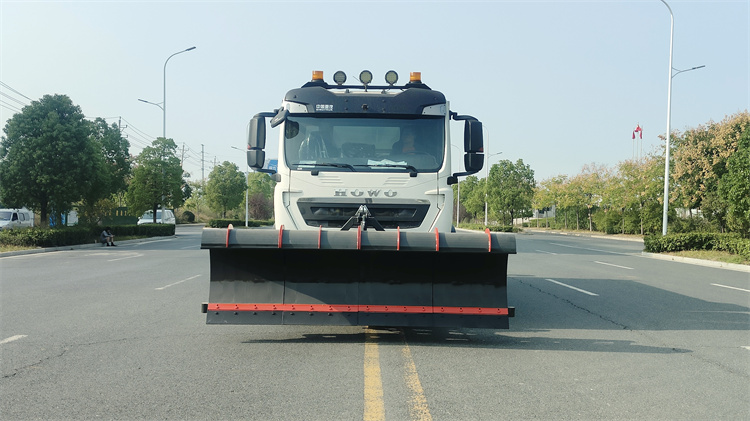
<point x="364" y="144"/>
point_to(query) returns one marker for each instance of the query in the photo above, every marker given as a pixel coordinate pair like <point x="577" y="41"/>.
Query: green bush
<point x="223" y="223"/>
<point x="45" y="237"/>
<point x="187" y="217"/>
<point x="493" y="228"/>
<point x="731" y="243"/>
<point x="68" y="236"/>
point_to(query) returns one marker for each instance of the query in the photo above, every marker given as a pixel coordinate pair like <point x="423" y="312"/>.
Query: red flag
<point x="639" y="130"/>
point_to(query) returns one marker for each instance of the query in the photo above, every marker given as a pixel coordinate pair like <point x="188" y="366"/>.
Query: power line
<point x="13" y="99"/>
<point x="9" y="106"/>
<point x="8" y="87"/>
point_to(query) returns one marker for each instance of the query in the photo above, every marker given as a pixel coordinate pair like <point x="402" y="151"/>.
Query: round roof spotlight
<point x="365" y="77"/>
<point x="391" y="77"/>
<point x="339" y="77"/>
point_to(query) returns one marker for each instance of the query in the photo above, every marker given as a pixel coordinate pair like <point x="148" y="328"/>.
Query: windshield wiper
<point x="412" y="169"/>
<point x="327" y="164"/>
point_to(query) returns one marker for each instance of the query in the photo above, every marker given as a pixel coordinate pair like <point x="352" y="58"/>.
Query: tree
<point x="701" y="158"/>
<point x="548" y="194"/>
<point x="260" y="195"/>
<point x="734" y="187"/>
<point x="225" y="189"/>
<point x="112" y="172"/>
<point x="511" y="187"/>
<point x="157" y="178"/>
<point x="197" y="200"/>
<point x="47" y="161"/>
<point x="472" y="195"/>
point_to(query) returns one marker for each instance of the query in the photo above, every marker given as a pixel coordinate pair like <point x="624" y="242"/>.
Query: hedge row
<point x="237" y="223"/>
<point x="68" y="236"/>
<point x="493" y="228"/>
<point x="732" y="243"/>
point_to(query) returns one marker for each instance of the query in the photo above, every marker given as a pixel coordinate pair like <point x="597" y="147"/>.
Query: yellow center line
<point x="418" y="409"/>
<point x="374" y="406"/>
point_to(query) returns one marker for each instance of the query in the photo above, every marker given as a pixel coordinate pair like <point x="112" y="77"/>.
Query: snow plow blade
<point x="359" y="278"/>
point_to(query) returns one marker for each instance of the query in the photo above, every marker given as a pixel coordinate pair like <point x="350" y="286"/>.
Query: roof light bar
<point x="391" y="77"/>
<point x="339" y="77"/>
<point x="365" y="77"/>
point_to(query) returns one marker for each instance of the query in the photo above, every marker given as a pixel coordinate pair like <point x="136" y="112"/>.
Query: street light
<point x="247" y="175"/>
<point x="672" y="74"/>
<point x="163" y="105"/>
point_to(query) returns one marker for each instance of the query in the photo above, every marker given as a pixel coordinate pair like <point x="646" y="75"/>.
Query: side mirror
<point x="256" y="139"/>
<point x="473" y="162"/>
<point x="473" y="137"/>
<point x="256" y="158"/>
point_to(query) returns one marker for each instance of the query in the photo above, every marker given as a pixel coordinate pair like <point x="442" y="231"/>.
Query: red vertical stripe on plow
<point x="230" y="227"/>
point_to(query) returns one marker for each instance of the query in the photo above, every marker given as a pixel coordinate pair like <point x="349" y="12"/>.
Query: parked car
<point x="16" y="218"/>
<point x="148" y="217"/>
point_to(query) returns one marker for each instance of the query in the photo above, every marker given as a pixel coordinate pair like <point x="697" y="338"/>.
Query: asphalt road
<point x="600" y="333"/>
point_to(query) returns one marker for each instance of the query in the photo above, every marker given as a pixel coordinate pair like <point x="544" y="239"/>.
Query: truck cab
<point x="376" y="156"/>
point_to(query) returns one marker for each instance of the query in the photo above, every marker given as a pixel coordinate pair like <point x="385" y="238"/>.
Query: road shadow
<point x="467" y="338"/>
<point x="544" y="305"/>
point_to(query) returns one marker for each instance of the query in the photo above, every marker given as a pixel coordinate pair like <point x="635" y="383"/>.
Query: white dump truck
<point x="363" y="211"/>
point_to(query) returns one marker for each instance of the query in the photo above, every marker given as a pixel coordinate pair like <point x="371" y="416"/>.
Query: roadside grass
<point x="715" y="255"/>
<point x="4" y="248"/>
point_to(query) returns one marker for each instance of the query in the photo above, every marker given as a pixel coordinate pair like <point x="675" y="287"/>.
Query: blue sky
<point x="559" y="84"/>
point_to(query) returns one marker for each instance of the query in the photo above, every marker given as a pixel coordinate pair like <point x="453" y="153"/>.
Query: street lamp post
<point x="247" y="188"/>
<point x="668" y="136"/>
<point x="163" y="104"/>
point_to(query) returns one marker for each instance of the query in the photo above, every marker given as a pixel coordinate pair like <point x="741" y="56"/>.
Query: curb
<point x="699" y="262"/>
<point x="576" y="234"/>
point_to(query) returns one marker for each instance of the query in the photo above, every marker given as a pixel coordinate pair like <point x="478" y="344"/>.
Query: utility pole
<point x="203" y="170"/>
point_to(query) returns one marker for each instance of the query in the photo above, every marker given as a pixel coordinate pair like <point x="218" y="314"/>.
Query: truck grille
<point x="390" y="215"/>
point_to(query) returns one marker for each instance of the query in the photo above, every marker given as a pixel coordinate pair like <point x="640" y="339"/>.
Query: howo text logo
<point x="360" y="193"/>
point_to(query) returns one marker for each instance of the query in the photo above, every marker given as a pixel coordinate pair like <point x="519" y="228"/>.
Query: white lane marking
<point x="11" y="339"/>
<point x="747" y="347"/>
<point x="584" y="248"/>
<point x="546" y="252"/>
<point x="126" y="257"/>
<point x="176" y="283"/>
<point x="610" y="264"/>
<point x="190" y="247"/>
<point x="573" y="288"/>
<point x="725" y="286"/>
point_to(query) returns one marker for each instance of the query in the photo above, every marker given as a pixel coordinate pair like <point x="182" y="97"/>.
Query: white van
<point x="16" y="218"/>
<point x="148" y="217"/>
